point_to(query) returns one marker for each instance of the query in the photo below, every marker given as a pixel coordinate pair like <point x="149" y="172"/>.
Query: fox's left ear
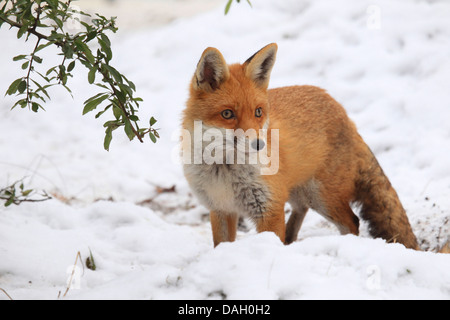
<point x="259" y="66"/>
<point x="212" y="71"/>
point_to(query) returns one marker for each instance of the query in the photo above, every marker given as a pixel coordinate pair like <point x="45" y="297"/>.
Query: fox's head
<point x="232" y="96"/>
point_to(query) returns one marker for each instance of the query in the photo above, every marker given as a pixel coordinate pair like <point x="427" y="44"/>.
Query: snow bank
<point x="387" y="64"/>
<point x="140" y="256"/>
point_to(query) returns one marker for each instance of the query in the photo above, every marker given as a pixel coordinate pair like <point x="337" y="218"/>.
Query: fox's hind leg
<point x="327" y="202"/>
<point x="343" y="217"/>
<point x="295" y="222"/>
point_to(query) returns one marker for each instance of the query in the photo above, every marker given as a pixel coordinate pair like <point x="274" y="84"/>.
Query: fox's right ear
<point x="259" y="66"/>
<point x="212" y="71"/>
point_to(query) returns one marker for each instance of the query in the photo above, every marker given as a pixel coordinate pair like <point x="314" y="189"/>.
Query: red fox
<point x="321" y="161"/>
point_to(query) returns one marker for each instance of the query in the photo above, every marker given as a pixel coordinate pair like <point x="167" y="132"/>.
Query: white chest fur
<point x="229" y="188"/>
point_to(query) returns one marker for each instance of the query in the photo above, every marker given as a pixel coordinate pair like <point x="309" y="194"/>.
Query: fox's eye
<point x="228" y="114"/>
<point x="258" y="113"/>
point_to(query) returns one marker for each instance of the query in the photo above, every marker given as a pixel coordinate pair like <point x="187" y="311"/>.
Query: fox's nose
<point x="258" y="144"/>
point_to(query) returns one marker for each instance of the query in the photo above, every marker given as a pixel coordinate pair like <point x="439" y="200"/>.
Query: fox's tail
<point x="380" y="204"/>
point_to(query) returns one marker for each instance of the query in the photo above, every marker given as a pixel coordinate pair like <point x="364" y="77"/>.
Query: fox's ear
<point x="212" y="71"/>
<point x="259" y="66"/>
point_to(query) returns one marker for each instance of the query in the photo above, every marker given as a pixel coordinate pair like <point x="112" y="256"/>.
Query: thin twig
<point x="28" y="200"/>
<point x="30" y="30"/>
<point x="3" y="290"/>
<point x="73" y="272"/>
<point x="30" y="68"/>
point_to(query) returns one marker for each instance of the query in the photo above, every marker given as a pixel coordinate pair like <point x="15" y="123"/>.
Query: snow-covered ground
<point x="386" y="61"/>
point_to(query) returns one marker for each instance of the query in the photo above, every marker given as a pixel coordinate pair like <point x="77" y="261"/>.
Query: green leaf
<point x="71" y="66"/>
<point x="62" y="76"/>
<point x="134" y="118"/>
<point x="113" y="124"/>
<point x="13" y="87"/>
<point x="122" y="97"/>
<point x="37" y="96"/>
<point x="51" y="70"/>
<point x="58" y="21"/>
<point x="67" y="49"/>
<point x="131" y="84"/>
<point x="91" y="105"/>
<point x="25" y="65"/>
<point x="91" y="75"/>
<point x="152" y="121"/>
<point x="20" y="57"/>
<point x="94" y="97"/>
<point x="102" y="112"/>
<point x="108" y="138"/>
<point x="102" y="86"/>
<point x="129" y="130"/>
<point x="42" y="46"/>
<point x="22" y="86"/>
<point x="230" y="2"/>
<point x="55" y="36"/>
<point x="228" y="6"/>
<point x="152" y="137"/>
<point x="116" y="75"/>
<point x="37" y="59"/>
<point x="90" y="262"/>
<point x="42" y="88"/>
<point x="26" y="192"/>
<point x="68" y="89"/>
<point x="126" y="89"/>
<point x="83" y="47"/>
<point x="91" y="35"/>
<point x="117" y="112"/>
<point x="22" y="103"/>
<point x="106" y="49"/>
<point x="105" y="39"/>
<point x="9" y="201"/>
<point x="35" y="106"/>
<point x="22" y="30"/>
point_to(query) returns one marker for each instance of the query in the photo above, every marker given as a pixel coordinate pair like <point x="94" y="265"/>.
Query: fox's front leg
<point x="273" y="220"/>
<point x="224" y="226"/>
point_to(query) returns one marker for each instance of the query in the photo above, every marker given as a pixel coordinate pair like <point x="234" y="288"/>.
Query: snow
<point x="385" y="61"/>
